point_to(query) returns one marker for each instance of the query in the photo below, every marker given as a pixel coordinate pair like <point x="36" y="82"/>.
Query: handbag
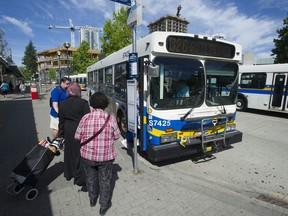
<point x="97" y="133"/>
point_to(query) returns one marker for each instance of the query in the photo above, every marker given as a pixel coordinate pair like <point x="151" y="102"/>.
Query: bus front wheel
<point x="241" y="104"/>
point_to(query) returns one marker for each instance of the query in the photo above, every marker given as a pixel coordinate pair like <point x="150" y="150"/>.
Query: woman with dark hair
<point x="97" y="132"/>
<point x="71" y="111"/>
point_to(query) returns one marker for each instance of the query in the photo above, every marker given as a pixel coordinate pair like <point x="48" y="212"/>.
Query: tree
<point x="52" y="73"/>
<point x="4" y="49"/>
<point x="281" y="44"/>
<point x="82" y="58"/>
<point x="30" y="59"/>
<point x="26" y="73"/>
<point x="117" y="34"/>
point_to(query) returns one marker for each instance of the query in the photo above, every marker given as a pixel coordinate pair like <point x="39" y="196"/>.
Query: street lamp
<point x="67" y="45"/>
<point x="59" y="54"/>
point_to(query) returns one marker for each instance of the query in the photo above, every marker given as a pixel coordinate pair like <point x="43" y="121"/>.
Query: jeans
<point x="98" y="180"/>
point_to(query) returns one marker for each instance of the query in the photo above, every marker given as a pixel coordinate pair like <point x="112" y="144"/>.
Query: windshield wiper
<point x="196" y="102"/>
<point x="221" y="103"/>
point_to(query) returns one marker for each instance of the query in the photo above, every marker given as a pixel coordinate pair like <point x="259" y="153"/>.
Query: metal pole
<point x="59" y="69"/>
<point x="134" y="40"/>
<point x="68" y="63"/>
<point x="135" y="134"/>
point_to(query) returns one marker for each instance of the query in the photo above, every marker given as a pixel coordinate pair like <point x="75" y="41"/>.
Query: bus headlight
<point x="231" y="127"/>
<point x="165" y="138"/>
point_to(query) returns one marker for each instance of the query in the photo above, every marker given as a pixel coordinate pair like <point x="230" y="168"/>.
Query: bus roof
<point x="264" y="68"/>
<point x="79" y="75"/>
<point x="156" y="43"/>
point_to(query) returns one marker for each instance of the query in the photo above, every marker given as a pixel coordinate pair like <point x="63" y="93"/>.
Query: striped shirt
<point x="102" y="147"/>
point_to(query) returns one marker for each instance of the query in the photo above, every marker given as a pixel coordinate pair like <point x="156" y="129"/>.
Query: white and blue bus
<point x="188" y="104"/>
<point x="263" y="87"/>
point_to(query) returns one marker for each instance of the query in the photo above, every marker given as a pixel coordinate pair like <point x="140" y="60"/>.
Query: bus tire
<point x="122" y="123"/>
<point x="241" y="103"/>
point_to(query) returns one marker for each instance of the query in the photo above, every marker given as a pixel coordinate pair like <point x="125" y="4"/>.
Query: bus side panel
<point x="257" y="99"/>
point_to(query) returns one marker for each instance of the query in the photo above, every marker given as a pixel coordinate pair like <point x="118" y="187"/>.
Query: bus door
<point x="279" y="95"/>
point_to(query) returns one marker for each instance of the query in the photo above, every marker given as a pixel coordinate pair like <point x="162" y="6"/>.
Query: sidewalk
<point x="154" y="190"/>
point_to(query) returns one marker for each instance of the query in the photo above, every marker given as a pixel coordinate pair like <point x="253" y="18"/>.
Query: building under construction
<point x="169" y="24"/>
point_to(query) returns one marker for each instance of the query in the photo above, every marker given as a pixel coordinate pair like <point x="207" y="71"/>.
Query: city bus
<point x="81" y="79"/>
<point x="174" y="123"/>
<point x="263" y="87"/>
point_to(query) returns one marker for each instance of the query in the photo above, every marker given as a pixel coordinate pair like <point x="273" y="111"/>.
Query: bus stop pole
<point x="135" y="111"/>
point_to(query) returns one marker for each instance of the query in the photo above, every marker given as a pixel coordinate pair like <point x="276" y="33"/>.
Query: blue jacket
<point x="57" y="95"/>
<point x="4" y="87"/>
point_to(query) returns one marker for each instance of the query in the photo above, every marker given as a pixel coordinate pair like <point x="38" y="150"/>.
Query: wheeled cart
<point x="31" y="168"/>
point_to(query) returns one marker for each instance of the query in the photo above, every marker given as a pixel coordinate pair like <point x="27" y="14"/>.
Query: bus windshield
<point x="222" y="83"/>
<point x="179" y="85"/>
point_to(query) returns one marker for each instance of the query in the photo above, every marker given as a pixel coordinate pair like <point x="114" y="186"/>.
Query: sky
<point x="251" y="23"/>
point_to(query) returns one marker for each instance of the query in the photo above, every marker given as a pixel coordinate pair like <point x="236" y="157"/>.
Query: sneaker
<point x="103" y="211"/>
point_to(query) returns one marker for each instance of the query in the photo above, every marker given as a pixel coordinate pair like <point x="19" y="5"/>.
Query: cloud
<point x="43" y="9"/>
<point x="209" y="17"/>
<point x="95" y="7"/>
<point x="22" y="25"/>
<point x="64" y="4"/>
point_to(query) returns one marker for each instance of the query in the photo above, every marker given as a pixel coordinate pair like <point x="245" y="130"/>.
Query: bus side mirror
<point x="153" y="71"/>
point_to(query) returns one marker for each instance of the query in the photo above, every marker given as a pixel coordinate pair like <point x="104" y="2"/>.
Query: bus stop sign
<point x="125" y="2"/>
<point x="133" y="65"/>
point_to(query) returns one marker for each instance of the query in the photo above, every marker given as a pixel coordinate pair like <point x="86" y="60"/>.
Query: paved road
<point x="155" y="190"/>
<point x="258" y="164"/>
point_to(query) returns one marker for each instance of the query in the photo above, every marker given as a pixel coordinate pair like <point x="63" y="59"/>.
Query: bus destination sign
<point x="197" y="46"/>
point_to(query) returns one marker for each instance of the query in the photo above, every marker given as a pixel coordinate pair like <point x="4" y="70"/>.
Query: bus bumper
<point x="175" y="150"/>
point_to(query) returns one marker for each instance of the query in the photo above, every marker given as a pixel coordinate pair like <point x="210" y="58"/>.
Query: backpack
<point x="50" y="100"/>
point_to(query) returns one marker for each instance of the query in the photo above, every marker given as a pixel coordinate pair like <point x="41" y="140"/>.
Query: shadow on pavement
<point x="18" y="135"/>
<point x="267" y="113"/>
<point x="51" y="174"/>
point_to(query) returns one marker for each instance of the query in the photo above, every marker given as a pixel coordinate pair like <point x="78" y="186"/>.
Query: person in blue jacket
<point x="181" y="89"/>
<point x="4" y="89"/>
<point x="57" y="95"/>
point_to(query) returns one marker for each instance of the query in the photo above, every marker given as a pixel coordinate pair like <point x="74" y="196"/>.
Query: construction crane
<point x="73" y="28"/>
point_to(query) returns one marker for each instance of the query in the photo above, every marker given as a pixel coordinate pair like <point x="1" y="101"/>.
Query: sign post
<point x="132" y="95"/>
<point x="133" y="20"/>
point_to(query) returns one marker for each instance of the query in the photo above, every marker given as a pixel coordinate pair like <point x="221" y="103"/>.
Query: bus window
<point x="96" y="80"/>
<point x="108" y="80"/>
<point x="90" y="79"/>
<point x="179" y="83"/>
<point x="253" y="80"/>
<point x="222" y="83"/>
<point x="101" y="85"/>
<point x="120" y="80"/>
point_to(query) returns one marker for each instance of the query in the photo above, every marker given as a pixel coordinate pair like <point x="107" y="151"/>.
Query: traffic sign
<point x="125" y="2"/>
<point x="133" y="66"/>
<point x="134" y="16"/>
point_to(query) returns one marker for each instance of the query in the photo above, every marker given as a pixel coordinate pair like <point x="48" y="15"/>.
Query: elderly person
<point x="71" y="111"/>
<point x="97" y="132"/>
